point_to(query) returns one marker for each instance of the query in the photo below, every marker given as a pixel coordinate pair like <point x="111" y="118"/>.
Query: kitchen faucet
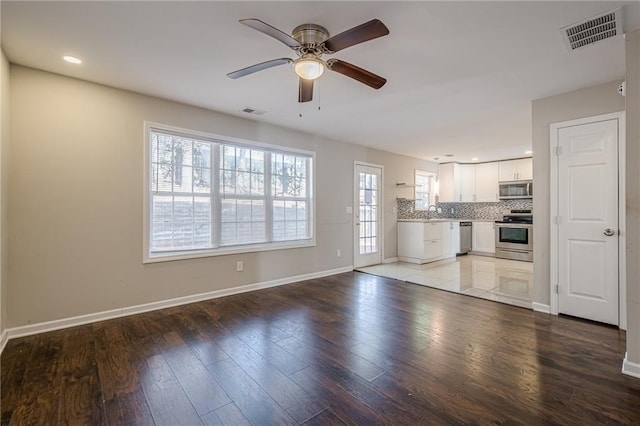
<point x="435" y="210"/>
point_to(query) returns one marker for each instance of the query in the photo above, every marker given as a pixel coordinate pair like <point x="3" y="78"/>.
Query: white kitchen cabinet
<point x="449" y="185"/>
<point x="422" y="242"/>
<point x="487" y="182"/>
<point x="457" y="182"/>
<point x="525" y="169"/>
<point x="467" y="183"/>
<point x="483" y="237"/>
<point x="513" y="170"/>
<point x="450" y="238"/>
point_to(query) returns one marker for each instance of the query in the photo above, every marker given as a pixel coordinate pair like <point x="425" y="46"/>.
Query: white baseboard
<point x="4" y="338"/>
<point x="390" y="260"/>
<point x="630" y="368"/>
<point x="541" y="307"/>
<point x="43" y="327"/>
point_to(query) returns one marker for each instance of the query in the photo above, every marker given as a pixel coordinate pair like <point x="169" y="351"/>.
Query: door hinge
<point x="557" y="290"/>
<point x="558" y="220"/>
<point x="558" y="150"/>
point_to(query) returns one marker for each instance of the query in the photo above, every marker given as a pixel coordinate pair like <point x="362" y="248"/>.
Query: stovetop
<point x="517" y="216"/>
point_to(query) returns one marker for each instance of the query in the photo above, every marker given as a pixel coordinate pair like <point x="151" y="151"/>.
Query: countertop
<point x="453" y="219"/>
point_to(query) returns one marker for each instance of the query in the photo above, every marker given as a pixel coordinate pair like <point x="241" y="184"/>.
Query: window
<point x="424" y="193"/>
<point x="210" y="196"/>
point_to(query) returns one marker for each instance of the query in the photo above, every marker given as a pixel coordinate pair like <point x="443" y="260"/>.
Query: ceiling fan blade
<point x="364" y="32"/>
<point x="258" y="67"/>
<point x="267" y="29"/>
<point x="305" y="90"/>
<point x="357" y="73"/>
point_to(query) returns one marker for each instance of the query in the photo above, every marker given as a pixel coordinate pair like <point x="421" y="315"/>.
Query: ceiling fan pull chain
<point x="318" y="93"/>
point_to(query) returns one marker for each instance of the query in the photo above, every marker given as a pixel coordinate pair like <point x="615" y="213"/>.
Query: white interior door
<point x="368" y="215"/>
<point x="588" y="281"/>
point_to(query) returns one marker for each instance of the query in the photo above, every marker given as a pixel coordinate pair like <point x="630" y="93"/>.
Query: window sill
<point x="224" y="251"/>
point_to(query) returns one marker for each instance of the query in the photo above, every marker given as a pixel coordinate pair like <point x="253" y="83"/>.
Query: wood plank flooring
<point x="347" y="349"/>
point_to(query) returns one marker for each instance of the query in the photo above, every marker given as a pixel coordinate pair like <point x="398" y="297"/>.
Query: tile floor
<point x="501" y="280"/>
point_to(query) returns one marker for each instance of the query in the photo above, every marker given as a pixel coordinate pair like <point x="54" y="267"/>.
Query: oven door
<point x="514" y="236"/>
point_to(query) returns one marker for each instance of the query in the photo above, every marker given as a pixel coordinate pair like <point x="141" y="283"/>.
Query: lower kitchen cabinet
<point x="422" y="242"/>
<point x="483" y="237"/>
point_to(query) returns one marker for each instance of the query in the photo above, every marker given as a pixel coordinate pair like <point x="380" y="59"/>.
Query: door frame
<point x="553" y="191"/>
<point x="356" y="205"/>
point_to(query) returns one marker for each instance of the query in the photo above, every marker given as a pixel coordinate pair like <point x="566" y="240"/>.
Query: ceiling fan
<point x="310" y="42"/>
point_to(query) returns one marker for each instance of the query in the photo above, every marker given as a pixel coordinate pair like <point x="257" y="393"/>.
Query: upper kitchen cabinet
<point x="467" y="182"/>
<point x="513" y="170"/>
<point x="449" y="186"/>
<point x="487" y="182"/>
<point x="456" y="182"/>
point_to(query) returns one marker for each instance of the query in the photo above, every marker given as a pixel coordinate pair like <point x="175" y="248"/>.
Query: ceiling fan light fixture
<point x="309" y="68"/>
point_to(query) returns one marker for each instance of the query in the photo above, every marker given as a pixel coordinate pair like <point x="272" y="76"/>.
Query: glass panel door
<point x="367" y="218"/>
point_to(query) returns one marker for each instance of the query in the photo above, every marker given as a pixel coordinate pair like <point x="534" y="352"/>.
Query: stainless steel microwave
<point x="515" y="190"/>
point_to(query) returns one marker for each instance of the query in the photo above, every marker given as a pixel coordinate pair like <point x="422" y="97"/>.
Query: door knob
<point x="609" y="232"/>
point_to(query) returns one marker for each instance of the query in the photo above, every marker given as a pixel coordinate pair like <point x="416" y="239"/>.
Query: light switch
<point x="349" y="210"/>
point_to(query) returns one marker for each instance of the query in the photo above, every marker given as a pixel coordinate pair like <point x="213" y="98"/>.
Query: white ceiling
<point x="461" y="75"/>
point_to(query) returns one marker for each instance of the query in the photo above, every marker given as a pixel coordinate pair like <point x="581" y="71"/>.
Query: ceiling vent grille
<point x="606" y="25"/>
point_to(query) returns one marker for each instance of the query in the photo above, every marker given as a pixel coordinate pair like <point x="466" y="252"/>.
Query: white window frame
<point x="432" y="177"/>
<point x="166" y="256"/>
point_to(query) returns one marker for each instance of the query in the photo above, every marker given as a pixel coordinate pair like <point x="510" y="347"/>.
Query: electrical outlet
<point x="239" y="266"/>
<point x="338" y="253"/>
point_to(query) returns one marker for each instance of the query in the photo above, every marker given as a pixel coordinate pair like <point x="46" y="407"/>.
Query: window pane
<point x="228" y="213"/>
<point x="228" y="158"/>
<point x="243" y="185"/>
<point x="243" y="159"/>
<point x="278" y="210"/>
<point x="257" y="162"/>
<point x="243" y="210"/>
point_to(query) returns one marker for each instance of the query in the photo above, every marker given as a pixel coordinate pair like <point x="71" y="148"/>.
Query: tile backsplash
<point x="490" y="211"/>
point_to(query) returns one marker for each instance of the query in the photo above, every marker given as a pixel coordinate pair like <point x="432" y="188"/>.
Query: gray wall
<point x="4" y="144"/>
<point x="633" y="195"/>
<point x="586" y="102"/>
<point x="75" y="201"/>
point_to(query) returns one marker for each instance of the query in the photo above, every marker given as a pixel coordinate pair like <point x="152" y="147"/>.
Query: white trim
<point x="630" y="368"/>
<point x="390" y="260"/>
<point x="553" y="191"/>
<point x="4" y="338"/>
<point x="42" y="327"/>
<point x="355" y="236"/>
<point x="249" y="248"/>
<point x="540" y="307"/>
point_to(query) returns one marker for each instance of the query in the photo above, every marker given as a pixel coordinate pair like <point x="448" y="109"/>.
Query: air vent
<point x="593" y="30"/>
<point x="253" y="111"/>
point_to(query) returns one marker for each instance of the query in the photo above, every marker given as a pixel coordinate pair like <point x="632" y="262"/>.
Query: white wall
<point x="4" y="144"/>
<point x="75" y="201"/>
<point x="633" y="195"/>
<point x="600" y="99"/>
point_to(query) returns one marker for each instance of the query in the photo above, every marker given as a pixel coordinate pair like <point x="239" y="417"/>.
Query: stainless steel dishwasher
<point x="465" y="237"/>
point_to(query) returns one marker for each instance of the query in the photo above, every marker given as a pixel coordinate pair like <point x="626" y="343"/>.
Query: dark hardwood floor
<point x="347" y="349"/>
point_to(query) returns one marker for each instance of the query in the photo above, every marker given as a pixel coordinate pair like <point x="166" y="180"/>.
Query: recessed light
<point x="528" y="152"/>
<point x="72" y="59"/>
<point x="474" y="159"/>
<point x="448" y="155"/>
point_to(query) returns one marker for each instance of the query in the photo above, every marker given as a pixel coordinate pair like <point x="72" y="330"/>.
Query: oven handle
<point x="513" y="225"/>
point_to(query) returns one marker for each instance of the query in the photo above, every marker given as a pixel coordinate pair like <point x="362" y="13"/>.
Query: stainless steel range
<point x="514" y="236"/>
